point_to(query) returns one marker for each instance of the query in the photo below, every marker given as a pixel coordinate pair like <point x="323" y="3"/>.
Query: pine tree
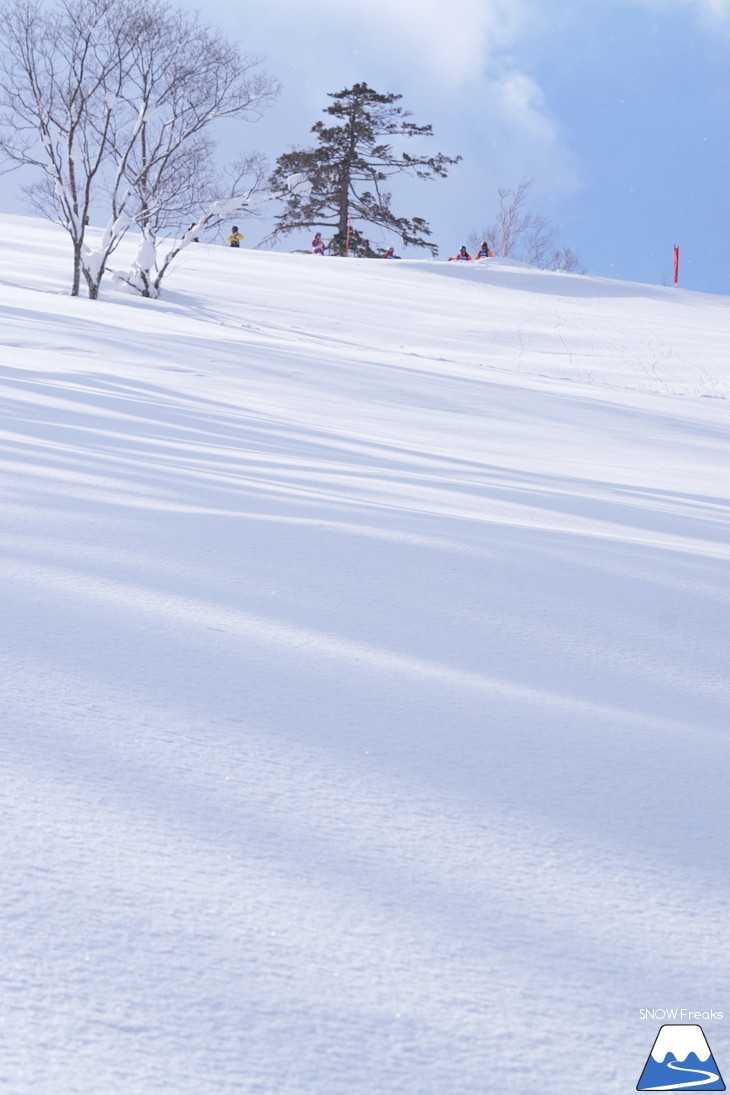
<point x="347" y="169"/>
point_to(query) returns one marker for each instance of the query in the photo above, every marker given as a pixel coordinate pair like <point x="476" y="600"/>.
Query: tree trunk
<point x="93" y="284"/>
<point x="76" y="281"/>
<point x="344" y="202"/>
<point x="343" y="217"/>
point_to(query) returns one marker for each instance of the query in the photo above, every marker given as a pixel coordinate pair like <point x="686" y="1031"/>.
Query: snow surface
<point x="364" y="656"/>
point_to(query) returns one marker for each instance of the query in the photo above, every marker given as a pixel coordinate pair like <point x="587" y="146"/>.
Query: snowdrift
<point x="364" y="675"/>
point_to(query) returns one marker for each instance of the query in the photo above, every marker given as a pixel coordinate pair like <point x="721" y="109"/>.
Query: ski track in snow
<point x="364" y="685"/>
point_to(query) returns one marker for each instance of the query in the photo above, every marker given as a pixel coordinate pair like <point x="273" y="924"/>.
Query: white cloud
<point x="521" y="104"/>
<point x="719" y="9"/>
<point x="450" y="39"/>
<point x="464" y="66"/>
<point x="716" y="12"/>
<point x="457" y="65"/>
<point x="712" y="13"/>
<point x="455" y="38"/>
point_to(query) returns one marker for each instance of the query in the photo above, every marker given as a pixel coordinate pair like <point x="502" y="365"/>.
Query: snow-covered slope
<point x="364" y="676"/>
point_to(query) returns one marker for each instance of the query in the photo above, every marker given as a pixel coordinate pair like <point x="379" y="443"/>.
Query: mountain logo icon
<point x="680" y="1060"/>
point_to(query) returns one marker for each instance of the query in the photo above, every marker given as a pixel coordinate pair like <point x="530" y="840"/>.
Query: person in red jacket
<point x="317" y="244"/>
<point x="463" y="256"/>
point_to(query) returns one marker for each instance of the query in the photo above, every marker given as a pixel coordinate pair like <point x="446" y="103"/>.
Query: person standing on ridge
<point x="317" y="244"/>
<point x="235" y="237"/>
<point x="484" y="252"/>
<point x="463" y="256"/>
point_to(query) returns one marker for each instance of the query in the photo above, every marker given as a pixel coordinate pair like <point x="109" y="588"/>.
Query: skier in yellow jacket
<point x="235" y="238"/>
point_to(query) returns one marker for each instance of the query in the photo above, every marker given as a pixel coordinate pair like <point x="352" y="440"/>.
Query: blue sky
<point x="618" y="109"/>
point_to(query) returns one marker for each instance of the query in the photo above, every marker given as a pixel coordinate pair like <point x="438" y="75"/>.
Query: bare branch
<point x="519" y="233"/>
<point x="113" y="101"/>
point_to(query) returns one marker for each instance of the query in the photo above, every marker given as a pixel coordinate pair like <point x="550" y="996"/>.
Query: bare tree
<point x="58" y="76"/>
<point x="116" y="100"/>
<point x="520" y="233"/>
<point x="183" y="77"/>
<point x="566" y="260"/>
<point x="539" y="240"/>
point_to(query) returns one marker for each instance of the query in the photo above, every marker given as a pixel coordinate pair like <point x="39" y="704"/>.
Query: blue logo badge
<point x="680" y="1060"/>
